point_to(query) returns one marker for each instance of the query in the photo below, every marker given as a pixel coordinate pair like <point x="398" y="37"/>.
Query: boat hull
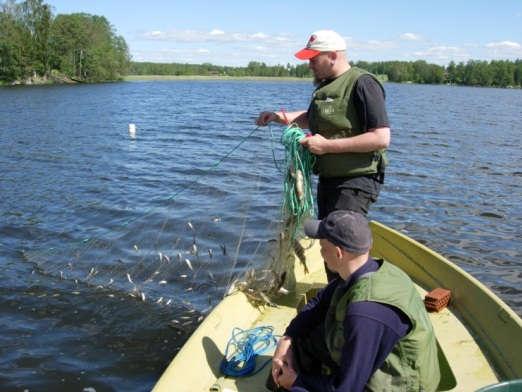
<point x="480" y="335"/>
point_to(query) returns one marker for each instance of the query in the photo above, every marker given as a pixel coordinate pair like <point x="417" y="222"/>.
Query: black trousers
<point x="353" y="194"/>
<point x="311" y="356"/>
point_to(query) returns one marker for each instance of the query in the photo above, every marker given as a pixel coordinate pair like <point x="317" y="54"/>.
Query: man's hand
<point x="282" y="356"/>
<point x="266" y="117"/>
<point x="286" y="376"/>
<point x="316" y="144"/>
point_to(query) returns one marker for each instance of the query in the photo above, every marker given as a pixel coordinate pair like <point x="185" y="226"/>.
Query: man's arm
<point x="299" y="117"/>
<point x="372" y="140"/>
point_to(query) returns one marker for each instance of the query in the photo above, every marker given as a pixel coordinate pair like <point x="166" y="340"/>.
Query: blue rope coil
<point x="242" y="349"/>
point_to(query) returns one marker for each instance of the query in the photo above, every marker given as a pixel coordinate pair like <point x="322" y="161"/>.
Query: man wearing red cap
<point x="348" y="120"/>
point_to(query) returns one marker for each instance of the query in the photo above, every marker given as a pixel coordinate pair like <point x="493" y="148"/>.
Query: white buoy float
<point x="132" y="131"/>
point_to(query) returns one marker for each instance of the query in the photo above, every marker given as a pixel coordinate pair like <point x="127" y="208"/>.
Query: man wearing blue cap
<point x="366" y="330"/>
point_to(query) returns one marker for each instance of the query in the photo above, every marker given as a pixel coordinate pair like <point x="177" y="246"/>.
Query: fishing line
<point x="181" y="190"/>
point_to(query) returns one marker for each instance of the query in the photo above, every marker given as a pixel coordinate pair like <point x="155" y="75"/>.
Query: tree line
<point x="35" y="44"/>
<point x="253" y="68"/>
<point x="496" y="73"/>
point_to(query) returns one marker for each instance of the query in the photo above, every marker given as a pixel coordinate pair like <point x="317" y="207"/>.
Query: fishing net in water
<point x="182" y="243"/>
<point x="178" y="244"/>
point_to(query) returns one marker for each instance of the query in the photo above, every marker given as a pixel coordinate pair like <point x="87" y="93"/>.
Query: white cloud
<point x="442" y="54"/>
<point x="259" y="35"/>
<point x="155" y="34"/>
<point x="217" y="32"/>
<point x="503" y="50"/>
<point x="410" y="37"/>
<point x="216" y="35"/>
<point x="504" y="45"/>
<point x="378" y="45"/>
<point x="282" y="38"/>
<point x="203" y="51"/>
<point x="370" y="45"/>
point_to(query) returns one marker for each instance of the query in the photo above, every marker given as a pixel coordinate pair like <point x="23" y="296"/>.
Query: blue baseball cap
<point x="346" y="229"/>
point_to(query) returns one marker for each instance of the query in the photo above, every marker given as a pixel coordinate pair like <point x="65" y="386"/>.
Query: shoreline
<point x="57" y="79"/>
<point x="139" y="78"/>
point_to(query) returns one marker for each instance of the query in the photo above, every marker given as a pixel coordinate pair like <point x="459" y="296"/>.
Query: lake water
<point x="95" y="290"/>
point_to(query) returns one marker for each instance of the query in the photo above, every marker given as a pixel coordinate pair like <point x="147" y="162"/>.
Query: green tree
<point x="82" y="46"/>
<point x="9" y="50"/>
<point x="518" y="73"/>
<point x="15" y="43"/>
<point x="451" y="73"/>
<point x="86" y="47"/>
<point x="36" y="17"/>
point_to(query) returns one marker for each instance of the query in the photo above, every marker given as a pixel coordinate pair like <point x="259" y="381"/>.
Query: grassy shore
<point x="212" y="77"/>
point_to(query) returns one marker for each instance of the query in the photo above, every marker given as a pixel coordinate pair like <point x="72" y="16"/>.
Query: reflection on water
<point x="103" y="278"/>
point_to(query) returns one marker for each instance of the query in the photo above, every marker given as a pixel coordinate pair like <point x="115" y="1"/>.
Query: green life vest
<point x="332" y="113"/>
<point x="413" y="363"/>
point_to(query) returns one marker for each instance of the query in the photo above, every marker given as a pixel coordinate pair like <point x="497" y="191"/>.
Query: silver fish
<point x="189" y="264"/>
<point x="194" y="249"/>
<point x="299" y="185"/>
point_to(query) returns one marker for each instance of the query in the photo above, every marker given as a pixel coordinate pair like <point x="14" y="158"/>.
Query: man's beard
<point x="317" y="82"/>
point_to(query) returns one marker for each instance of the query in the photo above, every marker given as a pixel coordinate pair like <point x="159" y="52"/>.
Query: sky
<point x="271" y="31"/>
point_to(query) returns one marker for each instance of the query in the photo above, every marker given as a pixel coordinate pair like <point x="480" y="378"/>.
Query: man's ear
<point x="333" y="55"/>
<point x="338" y="252"/>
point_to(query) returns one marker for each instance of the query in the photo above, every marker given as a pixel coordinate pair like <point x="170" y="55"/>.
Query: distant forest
<point x="38" y="47"/>
<point x="496" y="73"/>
